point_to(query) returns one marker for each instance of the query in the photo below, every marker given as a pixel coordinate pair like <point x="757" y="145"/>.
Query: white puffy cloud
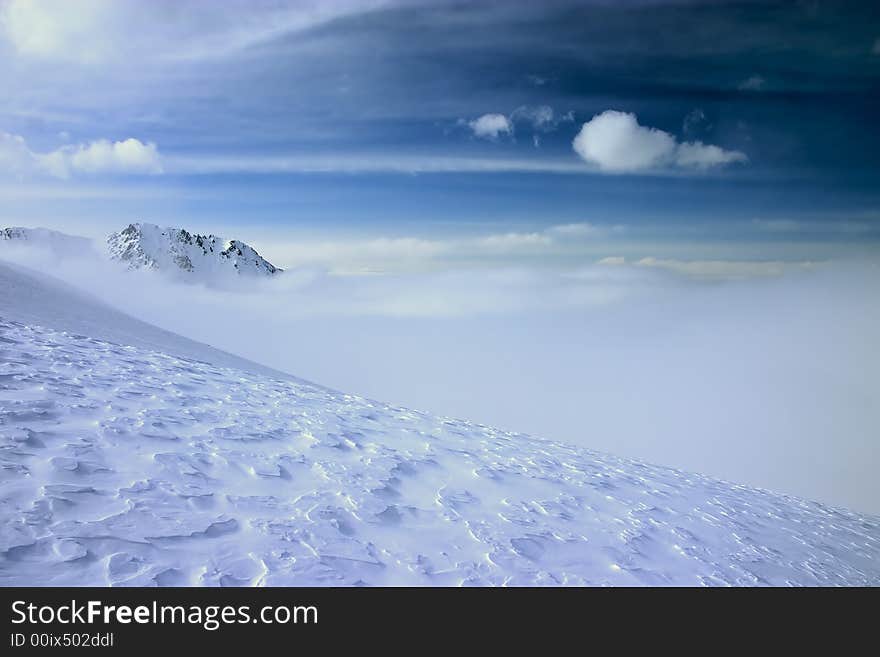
<point x="836" y="226"/>
<point x="491" y="126"/>
<point x="615" y="142"/>
<point x="102" y="156"/>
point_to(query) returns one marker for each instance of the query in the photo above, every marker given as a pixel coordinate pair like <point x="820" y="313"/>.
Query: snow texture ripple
<point x="127" y="466"/>
<point x="130" y="455"/>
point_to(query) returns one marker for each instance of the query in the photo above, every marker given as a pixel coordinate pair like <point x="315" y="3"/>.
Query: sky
<point x="682" y="122"/>
<point x="647" y="227"/>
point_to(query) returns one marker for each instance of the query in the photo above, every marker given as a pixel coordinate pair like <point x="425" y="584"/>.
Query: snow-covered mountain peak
<point x="144" y="245"/>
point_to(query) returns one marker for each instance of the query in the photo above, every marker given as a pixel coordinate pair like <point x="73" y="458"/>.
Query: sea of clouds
<point x="768" y="375"/>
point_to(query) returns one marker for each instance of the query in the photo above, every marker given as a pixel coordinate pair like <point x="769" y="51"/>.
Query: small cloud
<point x="491" y="126"/>
<point x="101" y="156"/>
<point x="753" y="83"/>
<point x="537" y="80"/>
<point x="695" y="123"/>
<point x="541" y="117"/>
<point x="582" y="229"/>
<point x="875" y="49"/>
<point x="615" y="142"/>
<point x="15" y="156"/>
<point x="698" y="155"/>
<point x="507" y="242"/>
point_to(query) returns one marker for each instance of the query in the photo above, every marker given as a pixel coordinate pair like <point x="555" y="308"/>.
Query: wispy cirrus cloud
<point x="542" y="118"/>
<point x="410" y="253"/>
<point x="198" y="164"/>
<point x="99" y="31"/>
<point x="715" y="269"/>
<point x="752" y="83"/>
<point x="794" y="227"/>
<point x="48" y="29"/>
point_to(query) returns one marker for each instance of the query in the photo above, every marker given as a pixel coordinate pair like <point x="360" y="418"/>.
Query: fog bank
<point x="772" y="381"/>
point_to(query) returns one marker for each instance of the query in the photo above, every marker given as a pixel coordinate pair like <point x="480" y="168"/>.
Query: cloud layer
<point x="412" y="254"/>
<point x="48" y="29"/>
<point x="716" y="269"/>
<point x="615" y="142"/>
<point x="771" y="381"/>
<point x="99" y="31"/>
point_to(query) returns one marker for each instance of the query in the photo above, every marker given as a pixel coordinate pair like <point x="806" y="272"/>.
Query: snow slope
<point x="60" y="245"/>
<point x="177" y="250"/>
<point x="32" y="297"/>
<point x="126" y="461"/>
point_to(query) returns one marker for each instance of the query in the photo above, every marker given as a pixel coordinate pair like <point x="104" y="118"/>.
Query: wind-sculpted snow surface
<point x="127" y="466"/>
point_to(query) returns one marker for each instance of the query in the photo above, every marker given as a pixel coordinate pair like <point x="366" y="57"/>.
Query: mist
<point x="771" y="381"/>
